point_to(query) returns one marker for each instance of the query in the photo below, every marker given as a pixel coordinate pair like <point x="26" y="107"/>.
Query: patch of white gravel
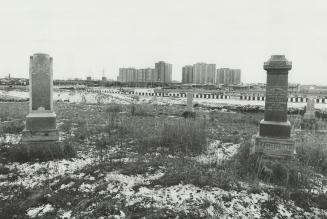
<point x="187" y="198"/>
<point x="66" y="215"/>
<point x="34" y="174"/>
<point x="218" y="152"/>
<point x="39" y="211"/>
<point x="10" y="138"/>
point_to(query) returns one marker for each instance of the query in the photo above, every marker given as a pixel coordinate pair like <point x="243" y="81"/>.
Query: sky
<point x="89" y="37"/>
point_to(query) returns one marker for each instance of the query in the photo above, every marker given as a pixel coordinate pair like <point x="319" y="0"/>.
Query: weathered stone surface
<point x="40" y="121"/>
<point x="310" y="105"/>
<point x="40" y="131"/>
<point x="274" y="147"/>
<point x="41" y="82"/>
<point x="309" y="118"/>
<point x="38" y="136"/>
<point x="189" y="101"/>
<point x="275" y="117"/>
<point x="274" y="139"/>
<point x="275" y="129"/>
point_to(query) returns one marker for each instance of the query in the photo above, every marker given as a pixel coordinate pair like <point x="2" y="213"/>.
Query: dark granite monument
<point x="274" y="137"/>
<point x="40" y="129"/>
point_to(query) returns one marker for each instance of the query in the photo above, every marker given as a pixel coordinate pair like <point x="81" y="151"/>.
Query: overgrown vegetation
<point x="141" y="139"/>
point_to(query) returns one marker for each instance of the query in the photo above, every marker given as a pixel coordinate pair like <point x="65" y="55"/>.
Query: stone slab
<point x="273" y="147"/>
<point x="41" y="82"/>
<point x="40" y="121"/>
<point x="189" y="101"/>
<point x="275" y="129"/>
<point x="44" y="135"/>
<point x="309" y="116"/>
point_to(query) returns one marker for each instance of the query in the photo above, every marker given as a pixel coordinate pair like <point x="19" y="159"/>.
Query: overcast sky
<point x="86" y="36"/>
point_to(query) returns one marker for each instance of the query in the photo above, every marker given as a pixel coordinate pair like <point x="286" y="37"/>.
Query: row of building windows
<point x="203" y="73"/>
<point x="161" y="73"/>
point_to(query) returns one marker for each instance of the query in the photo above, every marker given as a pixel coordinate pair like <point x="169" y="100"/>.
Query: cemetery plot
<point x="145" y="160"/>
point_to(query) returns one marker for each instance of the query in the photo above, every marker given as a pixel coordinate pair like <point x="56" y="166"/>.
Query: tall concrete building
<point x="228" y="76"/>
<point x="145" y="74"/>
<point x="204" y="73"/>
<point x="187" y="74"/>
<point x="127" y="75"/>
<point x="135" y="75"/>
<point x="149" y="72"/>
<point x="162" y="72"/>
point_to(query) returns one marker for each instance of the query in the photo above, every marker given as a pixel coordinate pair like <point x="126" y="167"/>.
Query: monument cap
<point x="277" y="62"/>
<point x="40" y="54"/>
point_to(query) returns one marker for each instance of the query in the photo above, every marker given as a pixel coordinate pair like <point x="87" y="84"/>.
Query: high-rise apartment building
<point x="127" y="75"/>
<point x="187" y="74"/>
<point x="162" y="72"/>
<point x="228" y="76"/>
<point x="204" y="73"/>
<point x="135" y="75"/>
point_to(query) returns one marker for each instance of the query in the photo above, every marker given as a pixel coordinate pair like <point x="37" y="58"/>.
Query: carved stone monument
<point x="274" y="133"/>
<point x="309" y="118"/>
<point x="189" y="97"/>
<point x="189" y="113"/>
<point x="40" y="129"/>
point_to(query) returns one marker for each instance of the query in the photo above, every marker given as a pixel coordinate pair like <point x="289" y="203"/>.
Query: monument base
<point x="40" y="121"/>
<point x="40" y="136"/>
<point x="189" y="114"/>
<point x="275" y="129"/>
<point x="273" y="147"/>
<point x="309" y="116"/>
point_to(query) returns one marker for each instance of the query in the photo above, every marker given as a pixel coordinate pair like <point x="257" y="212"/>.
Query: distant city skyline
<point x="84" y="37"/>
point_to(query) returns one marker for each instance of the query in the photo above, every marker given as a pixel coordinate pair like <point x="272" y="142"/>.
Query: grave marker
<point x="189" y="101"/>
<point x="274" y="132"/>
<point x="40" y="129"/>
<point x="309" y="118"/>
